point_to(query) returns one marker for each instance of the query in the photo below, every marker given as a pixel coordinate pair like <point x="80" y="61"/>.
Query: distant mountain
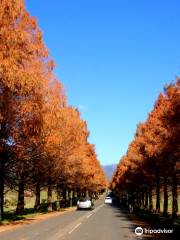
<point x="109" y="170"/>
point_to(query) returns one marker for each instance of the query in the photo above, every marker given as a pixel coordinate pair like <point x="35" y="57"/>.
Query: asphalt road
<point x="105" y="222"/>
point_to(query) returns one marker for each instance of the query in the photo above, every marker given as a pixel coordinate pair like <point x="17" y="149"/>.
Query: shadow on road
<point x="132" y="222"/>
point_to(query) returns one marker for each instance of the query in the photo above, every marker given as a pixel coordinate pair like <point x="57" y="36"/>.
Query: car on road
<point x="84" y="203"/>
<point x="108" y="200"/>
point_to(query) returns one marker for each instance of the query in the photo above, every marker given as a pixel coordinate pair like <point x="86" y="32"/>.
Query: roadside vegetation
<point x="11" y="199"/>
<point x="43" y="140"/>
<point x="148" y="176"/>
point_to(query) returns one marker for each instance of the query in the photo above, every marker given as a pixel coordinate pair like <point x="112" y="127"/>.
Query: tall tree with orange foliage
<point x="23" y="69"/>
<point x="171" y="119"/>
<point x="41" y="138"/>
<point x="154" y="155"/>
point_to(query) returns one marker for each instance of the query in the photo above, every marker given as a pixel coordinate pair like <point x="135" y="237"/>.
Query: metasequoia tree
<point x="94" y="178"/>
<point x="154" y="154"/>
<point x="42" y="139"/>
<point x="171" y="119"/>
<point x="25" y="69"/>
<point x="22" y="70"/>
<point x="74" y="158"/>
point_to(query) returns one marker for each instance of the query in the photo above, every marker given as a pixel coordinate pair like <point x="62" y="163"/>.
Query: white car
<point x="84" y="203"/>
<point x="108" y="200"/>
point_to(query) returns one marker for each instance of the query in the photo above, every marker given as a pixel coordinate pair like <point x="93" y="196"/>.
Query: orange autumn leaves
<point x="42" y="139"/>
<point x="152" y="159"/>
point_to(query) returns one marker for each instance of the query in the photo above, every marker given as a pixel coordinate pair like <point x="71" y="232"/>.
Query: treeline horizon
<point x="150" y="170"/>
<point x="43" y="140"/>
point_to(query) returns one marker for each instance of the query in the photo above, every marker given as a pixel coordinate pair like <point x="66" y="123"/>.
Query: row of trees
<point x="43" y="141"/>
<point x="151" y="166"/>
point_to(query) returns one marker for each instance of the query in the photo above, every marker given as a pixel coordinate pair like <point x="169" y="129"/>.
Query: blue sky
<point x="113" y="57"/>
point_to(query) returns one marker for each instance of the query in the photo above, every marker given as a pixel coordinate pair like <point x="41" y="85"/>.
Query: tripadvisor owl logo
<point x="139" y="231"/>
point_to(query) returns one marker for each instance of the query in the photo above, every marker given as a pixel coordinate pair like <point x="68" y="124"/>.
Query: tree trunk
<point x="49" y="199"/>
<point x="142" y="198"/>
<point x="2" y="171"/>
<point x="58" y="204"/>
<point x="157" y="192"/>
<point x="71" y="197"/>
<point x="67" y="197"/>
<point x="87" y="193"/>
<point x="20" y="204"/>
<point x="146" y="199"/>
<point x="150" y="199"/>
<point x="174" y="193"/>
<point x="138" y="196"/>
<point x="37" y="201"/>
<point x="165" y="207"/>
<point x="74" y="194"/>
<point x="78" y="193"/>
<point x="64" y="194"/>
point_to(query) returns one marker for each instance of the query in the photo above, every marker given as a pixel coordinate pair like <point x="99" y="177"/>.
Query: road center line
<point x="75" y="227"/>
<point x="70" y="228"/>
<point x="96" y="209"/>
<point x="89" y="215"/>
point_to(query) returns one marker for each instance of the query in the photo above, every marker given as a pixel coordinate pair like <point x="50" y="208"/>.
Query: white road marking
<point x="62" y="233"/>
<point x="89" y="215"/>
<point x="96" y="209"/>
<point x="75" y="227"/>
